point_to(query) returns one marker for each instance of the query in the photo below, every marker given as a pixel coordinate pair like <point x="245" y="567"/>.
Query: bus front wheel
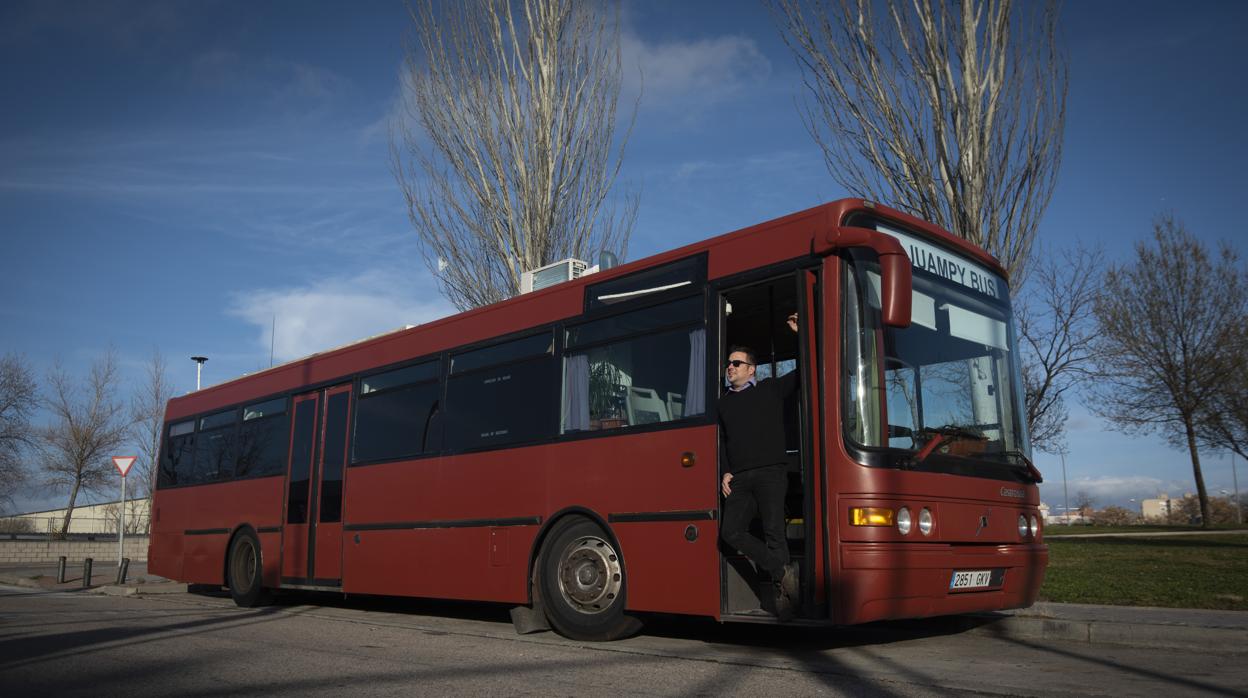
<point x="581" y="580"/>
<point x="244" y="569"/>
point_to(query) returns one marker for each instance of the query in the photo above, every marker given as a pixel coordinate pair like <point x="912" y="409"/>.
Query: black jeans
<point x="758" y="492"/>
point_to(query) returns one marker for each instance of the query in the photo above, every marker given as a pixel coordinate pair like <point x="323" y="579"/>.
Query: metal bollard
<point x="122" y="569"/>
<point x="60" y="570"/>
<point x="86" y="573"/>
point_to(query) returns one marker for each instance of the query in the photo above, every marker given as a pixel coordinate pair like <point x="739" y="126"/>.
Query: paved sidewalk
<point x="1220" y="632"/>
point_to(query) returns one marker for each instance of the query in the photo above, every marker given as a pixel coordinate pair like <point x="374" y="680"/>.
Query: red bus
<point x="559" y="450"/>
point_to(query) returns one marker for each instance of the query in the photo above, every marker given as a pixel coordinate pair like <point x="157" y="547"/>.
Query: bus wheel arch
<point x="244" y="568"/>
<point x="579" y="579"/>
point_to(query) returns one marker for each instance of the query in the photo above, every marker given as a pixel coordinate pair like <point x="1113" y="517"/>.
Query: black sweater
<point x="752" y="424"/>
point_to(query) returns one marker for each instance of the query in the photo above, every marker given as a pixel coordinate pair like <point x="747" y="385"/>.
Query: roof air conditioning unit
<point x="551" y="274"/>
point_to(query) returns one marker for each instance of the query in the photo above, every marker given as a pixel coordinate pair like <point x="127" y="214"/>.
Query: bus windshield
<point x="949" y="382"/>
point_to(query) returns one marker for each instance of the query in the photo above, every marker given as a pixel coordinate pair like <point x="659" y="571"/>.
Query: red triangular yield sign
<point x="123" y="463"/>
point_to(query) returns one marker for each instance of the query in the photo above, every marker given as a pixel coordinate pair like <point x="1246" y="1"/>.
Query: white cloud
<point x="691" y="74"/>
<point x="1105" y="490"/>
<point x="333" y="312"/>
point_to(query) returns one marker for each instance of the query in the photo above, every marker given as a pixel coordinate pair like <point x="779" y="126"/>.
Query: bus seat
<point x="645" y="406"/>
<point x="676" y="405"/>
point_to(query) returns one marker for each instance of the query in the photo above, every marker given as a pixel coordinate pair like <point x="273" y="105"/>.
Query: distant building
<point x="1158" y="509"/>
<point x="93" y="518"/>
<point x="1071" y="517"/>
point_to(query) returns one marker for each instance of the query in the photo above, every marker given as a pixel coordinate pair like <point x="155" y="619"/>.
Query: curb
<point x="103" y="589"/>
<point x="1213" y="640"/>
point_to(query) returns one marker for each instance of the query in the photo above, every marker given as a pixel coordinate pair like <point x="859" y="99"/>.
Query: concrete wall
<point x="41" y="552"/>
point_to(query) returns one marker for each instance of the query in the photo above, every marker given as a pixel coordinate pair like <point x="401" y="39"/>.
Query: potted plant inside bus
<point x="606" y="404"/>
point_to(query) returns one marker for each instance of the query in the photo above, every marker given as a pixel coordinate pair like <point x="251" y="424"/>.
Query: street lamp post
<point x="1239" y="514"/>
<point x="1065" y="494"/>
<point x="199" y="368"/>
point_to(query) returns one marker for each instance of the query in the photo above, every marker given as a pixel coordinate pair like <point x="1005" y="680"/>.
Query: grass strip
<point x="1175" y="571"/>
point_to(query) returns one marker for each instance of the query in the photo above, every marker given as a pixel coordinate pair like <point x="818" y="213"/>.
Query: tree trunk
<point x="1200" y="479"/>
<point x="69" y="508"/>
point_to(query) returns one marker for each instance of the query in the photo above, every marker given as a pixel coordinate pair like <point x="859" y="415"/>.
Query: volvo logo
<point x="1011" y="492"/>
<point x="983" y="523"/>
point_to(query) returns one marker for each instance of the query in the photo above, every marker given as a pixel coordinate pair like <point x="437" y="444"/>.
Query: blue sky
<point x="173" y="175"/>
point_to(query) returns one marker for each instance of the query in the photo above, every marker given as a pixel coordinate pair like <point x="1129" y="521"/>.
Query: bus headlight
<point x="903" y="521"/>
<point x="1022" y="526"/>
<point x="1035" y="526"/>
<point x="925" y="521"/>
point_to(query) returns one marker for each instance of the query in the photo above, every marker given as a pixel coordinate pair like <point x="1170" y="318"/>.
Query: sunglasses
<point x="738" y="363"/>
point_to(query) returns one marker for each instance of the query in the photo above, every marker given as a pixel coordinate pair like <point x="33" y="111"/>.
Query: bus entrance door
<point x="756" y="316"/>
<point x="312" y="536"/>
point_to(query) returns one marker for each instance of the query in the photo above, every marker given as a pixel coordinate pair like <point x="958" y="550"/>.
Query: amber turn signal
<point x="687" y="459"/>
<point x="871" y="516"/>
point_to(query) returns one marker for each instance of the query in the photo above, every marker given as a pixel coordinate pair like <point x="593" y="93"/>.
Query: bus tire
<point x="243" y="570"/>
<point x="582" y="584"/>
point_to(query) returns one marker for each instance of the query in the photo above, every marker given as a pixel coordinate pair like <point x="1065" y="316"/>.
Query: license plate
<point x="970" y="579"/>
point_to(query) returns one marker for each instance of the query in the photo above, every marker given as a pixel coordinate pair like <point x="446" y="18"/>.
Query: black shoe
<point x="784" y="607"/>
<point x="788" y="583"/>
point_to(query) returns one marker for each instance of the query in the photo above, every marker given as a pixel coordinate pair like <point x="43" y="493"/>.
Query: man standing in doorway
<point x="751" y="418"/>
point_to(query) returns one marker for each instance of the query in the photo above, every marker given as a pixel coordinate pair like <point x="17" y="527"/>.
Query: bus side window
<point x="178" y="459"/>
<point x="501" y="405"/>
<point x="263" y="439"/>
<point x="215" y="447"/>
<point x="393" y="414"/>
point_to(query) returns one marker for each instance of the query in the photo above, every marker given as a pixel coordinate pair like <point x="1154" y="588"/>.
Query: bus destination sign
<point x="937" y="261"/>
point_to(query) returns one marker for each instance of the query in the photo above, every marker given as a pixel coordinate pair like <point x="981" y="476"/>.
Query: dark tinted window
<point x="397" y="422"/>
<point x="335" y="455"/>
<point x="685" y="310"/>
<point x="263" y="440"/>
<point x="215" y="421"/>
<point x="300" y="462"/>
<point x="178" y="459"/>
<point x="676" y="277"/>
<point x="403" y="376"/>
<point x="501" y="405"/>
<point x="215" y="447"/>
<point x="264" y="409"/>
<point x="502" y="353"/>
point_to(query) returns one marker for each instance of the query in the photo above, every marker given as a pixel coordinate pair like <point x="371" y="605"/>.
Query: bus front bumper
<point x="882" y="581"/>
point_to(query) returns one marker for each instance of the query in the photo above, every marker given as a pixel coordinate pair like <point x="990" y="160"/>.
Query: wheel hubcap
<point x="589" y="575"/>
<point x="244" y="567"/>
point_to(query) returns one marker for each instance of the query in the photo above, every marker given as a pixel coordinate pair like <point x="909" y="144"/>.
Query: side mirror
<point x="895" y="273"/>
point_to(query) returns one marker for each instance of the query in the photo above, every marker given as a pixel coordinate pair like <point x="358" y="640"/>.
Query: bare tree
<point x="511" y="161"/>
<point x="951" y="110"/>
<point x="87" y="426"/>
<point x="1114" y="516"/>
<point x="1165" y="322"/>
<point x="1084" y="503"/>
<point x="1223" y="419"/>
<point x="1056" y="328"/>
<point x="18" y="400"/>
<point x="147" y="412"/>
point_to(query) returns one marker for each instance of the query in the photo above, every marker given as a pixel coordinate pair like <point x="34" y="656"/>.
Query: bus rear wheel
<point x="581" y="581"/>
<point x="244" y="570"/>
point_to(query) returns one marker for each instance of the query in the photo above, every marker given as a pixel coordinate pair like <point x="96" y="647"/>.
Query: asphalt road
<point x="67" y="644"/>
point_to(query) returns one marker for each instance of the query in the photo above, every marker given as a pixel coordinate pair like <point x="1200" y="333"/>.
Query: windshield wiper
<point x="1031" y="468"/>
<point x="946" y="434"/>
